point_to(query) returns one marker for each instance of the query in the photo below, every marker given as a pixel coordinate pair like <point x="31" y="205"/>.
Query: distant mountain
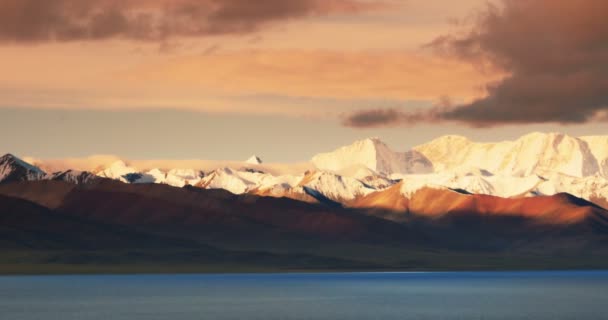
<point x="119" y="170"/>
<point x="375" y="155"/>
<point x="228" y="179"/>
<point x="14" y="169"/>
<point x="113" y="236"/>
<point x="534" y="202"/>
<point x="537" y="164"/>
<point x="73" y="176"/>
<point x="254" y="160"/>
<point x="535" y="153"/>
<point x="113" y="224"/>
<point x="197" y="212"/>
<point x="173" y="177"/>
<point x="599" y="148"/>
<point x="27" y="225"/>
<point x="438" y="202"/>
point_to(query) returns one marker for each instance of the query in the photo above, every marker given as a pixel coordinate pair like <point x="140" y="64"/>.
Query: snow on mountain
<point x="410" y="184"/>
<point x="254" y="160"/>
<point x="553" y="152"/>
<point x="469" y="183"/>
<point x="72" y="176"/>
<point x="227" y="179"/>
<point x="587" y="188"/>
<point x="158" y="176"/>
<point x="536" y="153"/>
<point x="119" y="170"/>
<point x="247" y="180"/>
<point x="599" y="148"/>
<point x="511" y="187"/>
<point x="375" y="155"/>
<point x="535" y="164"/>
<point x="274" y="186"/>
<point x="367" y="176"/>
<point x="13" y="169"/>
<point x="174" y="177"/>
<point x="590" y="188"/>
<point x="182" y="177"/>
<point x="333" y="186"/>
<point x="502" y="186"/>
<point x="264" y="180"/>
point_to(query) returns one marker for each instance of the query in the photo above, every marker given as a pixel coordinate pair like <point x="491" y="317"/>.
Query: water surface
<point x="443" y="295"/>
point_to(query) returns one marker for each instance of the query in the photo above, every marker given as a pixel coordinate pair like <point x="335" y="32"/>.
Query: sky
<point x="225" y="79"/>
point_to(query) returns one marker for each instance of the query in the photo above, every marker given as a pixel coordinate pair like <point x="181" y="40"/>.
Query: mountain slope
<point x="599" y="148"/>
<point x="14" y="169"/>
<point x="119" y="170"/>
<point x="24" y="224"/>
<point x="436" y="220"/>
<point x="35" y="239"/>
<point x="535" y="153"/>
<point x="460" y="221"/>
<point x="535" y="164"/>
<point x="559" y="209"/>
<point x="72" y="176"/>
<point x="199" y="212"/>
<point x="254" y="160"/>
<point x="375" y="155"/>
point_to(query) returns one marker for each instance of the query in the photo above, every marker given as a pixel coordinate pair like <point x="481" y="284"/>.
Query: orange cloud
<point x="218" y="82"/>
<point x="75" y="20"/>
<point x="346" y="75"/>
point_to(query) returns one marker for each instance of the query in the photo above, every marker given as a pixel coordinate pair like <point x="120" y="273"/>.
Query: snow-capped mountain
<point x="533" y="165"/>
<point x="72" y="176"/>
<point x="119" y="170"/>
<point x="599" y="148"/>
<point x="254" y="160"/>
<point x="333" y="186"/>
<point x="535" y="153"/>
<point x="227" y="179"/>
<point x="174" y="177"/>
<point x="247" y="180"/>
<point x="13" y="169"/>
<point x="375" y="155"/>
<point x="367" y="176"/>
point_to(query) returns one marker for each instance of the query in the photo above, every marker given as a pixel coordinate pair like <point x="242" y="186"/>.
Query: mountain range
<point x="536" y="164"/>
<point x="539" y="199"/>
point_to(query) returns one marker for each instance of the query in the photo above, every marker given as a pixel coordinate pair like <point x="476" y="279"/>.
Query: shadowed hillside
<point x="144" y="226"/>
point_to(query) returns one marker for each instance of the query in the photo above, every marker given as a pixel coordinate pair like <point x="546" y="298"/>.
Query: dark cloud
<point x="69" y="20"/>
<point x="556" y="55"/>
<point x="373" y="118"/>
<point x="393" y="117"/>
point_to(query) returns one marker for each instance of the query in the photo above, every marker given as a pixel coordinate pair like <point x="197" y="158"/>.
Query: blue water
<point x="467" y="296"/>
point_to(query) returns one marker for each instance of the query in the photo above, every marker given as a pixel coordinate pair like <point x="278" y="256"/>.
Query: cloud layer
<point x="70" y="20"/>
<point x="556" y="52"/>
<point x="320" y="83"/>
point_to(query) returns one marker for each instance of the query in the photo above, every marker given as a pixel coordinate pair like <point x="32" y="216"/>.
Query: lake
<point x="435" y="295"/>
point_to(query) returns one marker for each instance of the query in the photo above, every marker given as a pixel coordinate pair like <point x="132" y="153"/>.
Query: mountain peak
<point x="533" y="153"/>
<point x="254" y="160"/>
<point x="8" y="156"/>
<point x="117" y="170"/>
<point x="13" y="168"/>
<point x="537" y="136"/>
<point x="451" y="139"/>
<point x="373" y="154"/>
<point x="11" y="158"/>
<point x="374" y="140"/>
<point x="371" y="141"/>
